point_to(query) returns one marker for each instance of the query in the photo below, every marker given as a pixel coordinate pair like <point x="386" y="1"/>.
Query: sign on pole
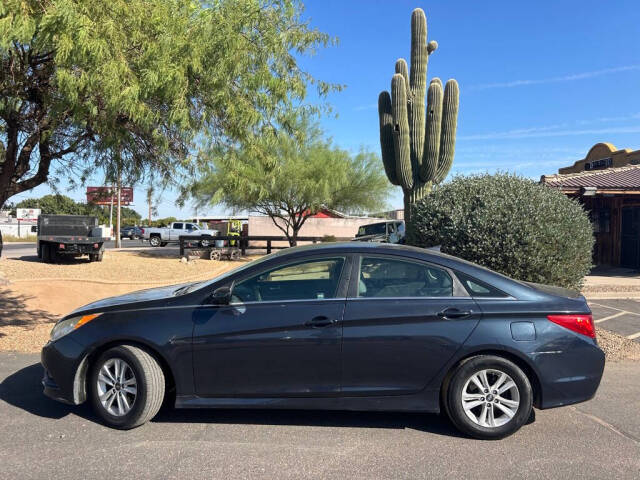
<point x="107" y="195"/>
<point x="27" y="213"/>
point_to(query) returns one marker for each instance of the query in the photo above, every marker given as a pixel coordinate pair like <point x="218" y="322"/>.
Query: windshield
<point x="198" y="285"/>
<point x="373" y="229"/>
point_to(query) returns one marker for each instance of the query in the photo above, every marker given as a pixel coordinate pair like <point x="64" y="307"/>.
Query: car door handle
<point x="320" y="321"/>
<point x="451" y="313"/>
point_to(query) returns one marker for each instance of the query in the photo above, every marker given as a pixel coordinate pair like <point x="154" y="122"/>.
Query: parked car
<point x="70" y="236"/>
<point x="349" y="326"/>
<point x="159" y="237"/>
<point x="391" y="231"/>
<point x="131" y="232"/>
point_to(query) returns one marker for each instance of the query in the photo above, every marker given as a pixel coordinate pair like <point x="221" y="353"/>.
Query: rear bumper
<point x="571" y="376"/>
<point x="64" y="371"/>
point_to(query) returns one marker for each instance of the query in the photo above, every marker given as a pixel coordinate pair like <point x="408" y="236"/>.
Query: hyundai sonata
<point x="350" y="326"/>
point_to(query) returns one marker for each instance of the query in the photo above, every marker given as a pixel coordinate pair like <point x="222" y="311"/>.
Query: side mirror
<point x="221" y="296"/>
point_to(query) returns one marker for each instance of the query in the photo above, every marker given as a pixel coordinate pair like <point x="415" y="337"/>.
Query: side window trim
<point x="459" y="291"/>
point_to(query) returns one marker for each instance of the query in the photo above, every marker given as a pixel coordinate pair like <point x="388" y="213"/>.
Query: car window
<point x="307" y="280"/>
<point x="476" y="288"/>
<point x="388" y="277"/>
<point x="177" y="226"/>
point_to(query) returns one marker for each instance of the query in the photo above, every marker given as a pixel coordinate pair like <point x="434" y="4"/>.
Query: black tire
<point x="92" y="257"/>
<point x="215" y="255"/>
<point x="205" y="242"/>
<point x="463" y="374"/>
<point x="46" y="253"/>
<point x="150" y="387"/>
<point x="99" y="256"/>
<point x="154" y="241"/>
<point x="39" y="251"/>
<point x="234" y="255"/>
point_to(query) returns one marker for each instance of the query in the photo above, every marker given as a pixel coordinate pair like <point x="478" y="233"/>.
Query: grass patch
<point x="12" y="238"/>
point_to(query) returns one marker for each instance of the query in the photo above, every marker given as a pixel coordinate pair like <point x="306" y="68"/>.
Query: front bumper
<point x="64" y="371"/>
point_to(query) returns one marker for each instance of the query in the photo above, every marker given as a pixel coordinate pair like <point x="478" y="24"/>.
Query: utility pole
<point x="111" y="213"/>
<point x="150" y="201"/>
<point x="118" y="226"/>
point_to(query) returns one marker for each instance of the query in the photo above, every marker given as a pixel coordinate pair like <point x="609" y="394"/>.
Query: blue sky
<point x="540" y="82"/>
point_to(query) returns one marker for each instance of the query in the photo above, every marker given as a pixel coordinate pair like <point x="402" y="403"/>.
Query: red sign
<point x="105" y="195"/>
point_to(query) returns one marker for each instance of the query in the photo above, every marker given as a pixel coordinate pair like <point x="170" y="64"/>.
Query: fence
<point x="192" y="242"/>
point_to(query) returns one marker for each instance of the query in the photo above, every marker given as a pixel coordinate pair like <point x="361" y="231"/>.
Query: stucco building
<point x="607" y="183"/>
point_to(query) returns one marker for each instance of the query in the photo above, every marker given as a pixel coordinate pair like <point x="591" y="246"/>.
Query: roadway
<point x="45" y="439"/>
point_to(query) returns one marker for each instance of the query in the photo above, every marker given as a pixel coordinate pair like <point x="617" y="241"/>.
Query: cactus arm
<point x="429" y="164"/>
<point x="418" y="84"/>
<point x="386" y="136"/>
<point x="401" y="140"/>
<point x="448" y="133"/>
<point x="402" y="69"/>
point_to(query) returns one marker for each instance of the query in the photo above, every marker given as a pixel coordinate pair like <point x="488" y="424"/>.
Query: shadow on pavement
<point x="24" y="390"/>
<point x="424" y="422"/>
<point x="14" y="311"/>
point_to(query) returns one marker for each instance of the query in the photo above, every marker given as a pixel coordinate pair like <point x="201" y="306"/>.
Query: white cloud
<point x="368" y="106"/>
<point x="541" y="132"/>
<point x="565" y="78"/>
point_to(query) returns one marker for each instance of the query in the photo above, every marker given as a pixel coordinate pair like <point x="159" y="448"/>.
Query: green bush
<point x="509" y="224"/>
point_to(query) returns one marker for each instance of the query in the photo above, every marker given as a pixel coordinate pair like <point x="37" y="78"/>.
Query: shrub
<point x="509" y="224"/>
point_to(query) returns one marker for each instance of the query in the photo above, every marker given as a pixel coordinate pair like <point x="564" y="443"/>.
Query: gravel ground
<point x="120" y="266"/>
<point x="616" y="347"/>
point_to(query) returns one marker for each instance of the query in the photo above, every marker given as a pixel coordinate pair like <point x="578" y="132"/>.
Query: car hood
<point x="139" y="296"/>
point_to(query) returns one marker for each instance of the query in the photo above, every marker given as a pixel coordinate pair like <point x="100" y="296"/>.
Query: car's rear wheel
<point x="154" y="241"/>
<point x="489" y="397"/>
<point x="127" y="386"/>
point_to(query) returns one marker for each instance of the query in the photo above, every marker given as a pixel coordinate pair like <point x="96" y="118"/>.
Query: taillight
<point x="580" y="323"/>
<point x="142" y="231"/>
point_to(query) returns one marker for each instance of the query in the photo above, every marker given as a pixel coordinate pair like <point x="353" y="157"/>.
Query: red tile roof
<point x="620" y="178"/>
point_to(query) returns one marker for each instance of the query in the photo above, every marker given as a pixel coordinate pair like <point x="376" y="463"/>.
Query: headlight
<point x="69" y="325"/>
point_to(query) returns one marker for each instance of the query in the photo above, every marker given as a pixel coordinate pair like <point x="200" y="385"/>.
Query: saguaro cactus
<point x="417" y="152"/>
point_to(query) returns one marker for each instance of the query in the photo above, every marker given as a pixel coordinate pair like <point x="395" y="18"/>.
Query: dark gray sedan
<point x="353" y="326"/>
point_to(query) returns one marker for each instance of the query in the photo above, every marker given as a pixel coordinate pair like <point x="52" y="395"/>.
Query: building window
<point x="599" y="164"/>
<point x="601" y="220"/>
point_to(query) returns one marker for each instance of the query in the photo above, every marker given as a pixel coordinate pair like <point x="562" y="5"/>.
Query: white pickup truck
<point x="159" y="237"/>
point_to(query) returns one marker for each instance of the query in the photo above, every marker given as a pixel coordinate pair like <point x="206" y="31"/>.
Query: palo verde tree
<point x="291" y="177"/>
<point x="127" y="85"/>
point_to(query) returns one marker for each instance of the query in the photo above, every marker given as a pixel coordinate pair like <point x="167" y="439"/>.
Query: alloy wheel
<point x="490" y="398"/>
<point x="117" y="387"/>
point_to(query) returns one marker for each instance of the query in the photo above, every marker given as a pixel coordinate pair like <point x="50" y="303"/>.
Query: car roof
<point x="361" y="247"/>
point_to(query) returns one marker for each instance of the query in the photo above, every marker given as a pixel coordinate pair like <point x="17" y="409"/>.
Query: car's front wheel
<point x="127" y="386"/>
<point x="489" y="397"/>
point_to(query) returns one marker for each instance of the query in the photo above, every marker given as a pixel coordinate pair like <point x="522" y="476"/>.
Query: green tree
<point x="510" y="224"/>
<point x="62" y="205"/>
<point x="290" y="178"/>
<point x="130" y="85"/>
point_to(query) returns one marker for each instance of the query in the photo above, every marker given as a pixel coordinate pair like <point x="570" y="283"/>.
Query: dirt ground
<point x="33" y="295"/>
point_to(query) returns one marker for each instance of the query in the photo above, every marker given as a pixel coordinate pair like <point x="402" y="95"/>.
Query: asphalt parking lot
<point x="621" y="316"/>
<point x="44" y="439"/>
